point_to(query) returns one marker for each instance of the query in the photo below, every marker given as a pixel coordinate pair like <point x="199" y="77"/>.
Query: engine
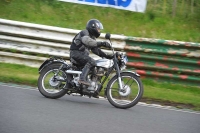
<point x="93" y="79"/>
<point x="100" y="71"/>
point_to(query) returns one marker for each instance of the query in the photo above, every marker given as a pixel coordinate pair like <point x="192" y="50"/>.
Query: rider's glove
<point x="104" y="44"/>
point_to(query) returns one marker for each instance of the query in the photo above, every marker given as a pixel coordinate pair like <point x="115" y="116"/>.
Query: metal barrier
<point x="166" y="60"/>
<point x="30" y="44"/>
<point x="20" y="40"/>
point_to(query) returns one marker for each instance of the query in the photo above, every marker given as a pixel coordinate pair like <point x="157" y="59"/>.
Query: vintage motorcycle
<point x="123" y="90"/>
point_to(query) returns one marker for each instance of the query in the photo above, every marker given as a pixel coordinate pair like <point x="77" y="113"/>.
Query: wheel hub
<point x="53" y="82"/>
<point x="125" y="91"/>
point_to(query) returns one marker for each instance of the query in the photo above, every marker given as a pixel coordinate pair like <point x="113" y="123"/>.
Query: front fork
<point x="118" y="74"/>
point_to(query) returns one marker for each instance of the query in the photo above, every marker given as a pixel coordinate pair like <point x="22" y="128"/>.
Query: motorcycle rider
<point x="85" y="41"/>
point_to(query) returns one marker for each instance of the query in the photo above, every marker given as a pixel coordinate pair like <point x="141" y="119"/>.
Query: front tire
<point x="47" y="83"/>
<point x="130" y="95"/>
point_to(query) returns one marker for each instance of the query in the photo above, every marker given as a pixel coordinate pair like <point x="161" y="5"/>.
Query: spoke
<point x="132" y="83"/>
<point x="54" y="71"/>
<point x="115" y="89"/>
<point x="48" y="85"/>
<point x="47" y="79"/>
<point x="128" y="81"/>
<point x="60" y="74"/>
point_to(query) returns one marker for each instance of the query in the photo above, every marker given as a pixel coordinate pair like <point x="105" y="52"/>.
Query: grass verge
<point x="156" y="22"/>
<point x="180" y="96"/>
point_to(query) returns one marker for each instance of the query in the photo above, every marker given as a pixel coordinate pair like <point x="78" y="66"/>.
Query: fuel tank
<point x="105" y="63"/>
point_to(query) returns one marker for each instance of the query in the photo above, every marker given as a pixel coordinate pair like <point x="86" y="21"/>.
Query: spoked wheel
<point x="130" y="94"/>
<point x="51" y="85"/>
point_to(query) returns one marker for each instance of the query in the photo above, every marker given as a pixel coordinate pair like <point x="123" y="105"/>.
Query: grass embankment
<point x="165" y="94"/>
<point x="156" y="22"/>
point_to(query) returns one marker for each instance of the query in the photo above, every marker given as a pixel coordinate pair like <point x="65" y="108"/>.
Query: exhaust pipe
<point x="73" y="72"/>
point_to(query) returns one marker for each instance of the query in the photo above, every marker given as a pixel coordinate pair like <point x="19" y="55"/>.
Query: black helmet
<point x="94" y="26"/>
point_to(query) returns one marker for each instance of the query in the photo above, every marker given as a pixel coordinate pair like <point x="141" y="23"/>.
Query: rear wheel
<point x="130" y="94"/>
<point x="52" y="86"/>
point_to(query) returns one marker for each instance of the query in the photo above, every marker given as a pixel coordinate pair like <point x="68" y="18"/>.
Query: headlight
<point x="125" y="59"/>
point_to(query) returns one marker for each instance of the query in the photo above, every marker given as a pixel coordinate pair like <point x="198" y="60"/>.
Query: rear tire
<point x="48" y="87"/>
<point x="131" y="94"/>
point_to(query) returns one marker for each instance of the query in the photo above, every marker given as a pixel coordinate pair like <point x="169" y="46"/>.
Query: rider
<point x="85" y="41"/>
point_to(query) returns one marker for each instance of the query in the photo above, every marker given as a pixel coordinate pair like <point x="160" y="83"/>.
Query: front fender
<point x="132" y="73"/>
<point x="126" y="72"/>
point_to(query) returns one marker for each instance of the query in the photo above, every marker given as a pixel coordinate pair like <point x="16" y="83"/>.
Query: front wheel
<point x="129" y="95"/>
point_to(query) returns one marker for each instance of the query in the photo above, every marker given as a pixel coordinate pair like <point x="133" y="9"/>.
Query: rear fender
<point x="50" y="61"/>
<point x="44" y="64"/>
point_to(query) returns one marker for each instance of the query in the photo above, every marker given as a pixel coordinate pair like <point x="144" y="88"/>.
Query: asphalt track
<point x="24" y="110"/>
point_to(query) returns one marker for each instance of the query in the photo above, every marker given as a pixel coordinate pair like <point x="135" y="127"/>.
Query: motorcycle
<point x="123" y="90"/>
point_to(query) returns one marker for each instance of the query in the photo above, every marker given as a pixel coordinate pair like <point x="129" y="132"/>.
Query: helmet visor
<point x="99" y="26"/>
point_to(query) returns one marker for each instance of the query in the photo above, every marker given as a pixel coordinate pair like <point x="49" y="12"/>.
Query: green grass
<point x="176" y="93"/>
<point x="166" y="94"/>
<point x="156" y="22"/>
<point x="18" y="74"/>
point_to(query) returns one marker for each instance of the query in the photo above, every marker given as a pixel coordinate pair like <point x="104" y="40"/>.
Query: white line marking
<point x="168" y="108"/>
<point x="19" y="86"/>
<point x="102" y="98"/>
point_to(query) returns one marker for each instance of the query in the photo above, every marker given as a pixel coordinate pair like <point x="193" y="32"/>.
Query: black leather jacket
<point x="84" y="42"/>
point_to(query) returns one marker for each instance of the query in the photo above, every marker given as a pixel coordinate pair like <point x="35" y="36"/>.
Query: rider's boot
<point x="83" y="76"/>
